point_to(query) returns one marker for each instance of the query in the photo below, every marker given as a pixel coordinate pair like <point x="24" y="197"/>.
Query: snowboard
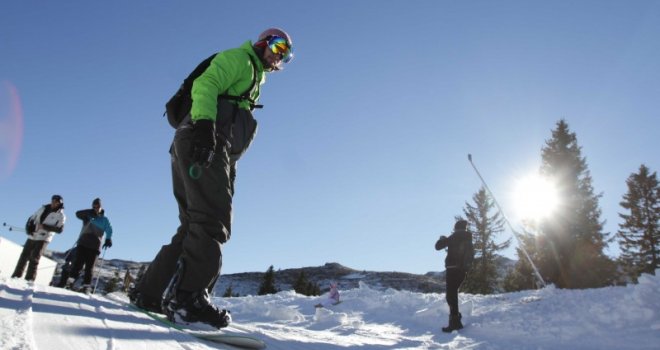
<point x="320" y="305"/>
<point x="219" y="336"/>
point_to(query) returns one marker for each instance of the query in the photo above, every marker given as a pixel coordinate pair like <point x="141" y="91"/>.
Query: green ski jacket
<point x="231" y="73"/>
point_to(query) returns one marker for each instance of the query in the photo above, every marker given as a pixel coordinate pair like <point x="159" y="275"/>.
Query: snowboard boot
<point x="69" y="283"/>
<point x="64" y="277"/>
<point x="145" y="302"/>
<point x="85" y="289"/>
<point x="192" y="307"/>
<point x="31" y="274"/>
<point x="454" y="323"/>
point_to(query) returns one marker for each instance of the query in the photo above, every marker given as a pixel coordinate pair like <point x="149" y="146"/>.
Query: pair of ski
<point x="220" y="336"/>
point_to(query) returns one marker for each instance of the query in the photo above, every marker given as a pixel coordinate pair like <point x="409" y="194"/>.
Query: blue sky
<point x="361" y="154"/>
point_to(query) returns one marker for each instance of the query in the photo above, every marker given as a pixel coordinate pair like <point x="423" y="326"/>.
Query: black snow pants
<point x="31" y="254"/>
<point x="205" y="213"/>
<point x="84" y="257"/>
<point x="454" y="278"/>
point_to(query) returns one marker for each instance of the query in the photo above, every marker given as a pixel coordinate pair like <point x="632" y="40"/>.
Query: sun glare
<point x="535" y="198"/>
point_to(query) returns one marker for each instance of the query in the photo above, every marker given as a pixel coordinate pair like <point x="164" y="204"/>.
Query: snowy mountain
<point x="247" y="283"/>
<point x="39" y="317"/>
<point x="346" y="278"/>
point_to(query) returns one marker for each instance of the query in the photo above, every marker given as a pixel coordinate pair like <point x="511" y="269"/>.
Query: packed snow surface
<point x="44" y="317"/>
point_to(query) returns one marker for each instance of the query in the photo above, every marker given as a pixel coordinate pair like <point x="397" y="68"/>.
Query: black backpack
<point x="180" y="103"/>
<point x="466" y="249"/>
<point x="30" y="226"/>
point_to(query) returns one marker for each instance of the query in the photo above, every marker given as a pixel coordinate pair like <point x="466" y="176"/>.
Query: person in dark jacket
<point x="88" y="247"/>
<point x="459" y="246"/>
<point x="65" y="270"/>
<point x="42" y="226"/>
<point x="206" y="148"/>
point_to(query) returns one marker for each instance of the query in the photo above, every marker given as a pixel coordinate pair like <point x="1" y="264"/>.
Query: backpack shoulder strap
<point x="246" y="96"/>
<point x="201" y="67"/>
<point x="255" y="73"/>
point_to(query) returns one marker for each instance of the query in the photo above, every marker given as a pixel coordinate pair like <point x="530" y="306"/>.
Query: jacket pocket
<point x="243" y="132"/>
<point x="236" y="126"/>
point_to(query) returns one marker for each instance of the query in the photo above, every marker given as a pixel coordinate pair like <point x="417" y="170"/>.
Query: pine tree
<point x="229" y="292"/>
<point x="268" y="284"/>
<point x="482" y="277"/>
<point x="302" y="284"/>
<point x="522" y="276"/>
<point x="313" y="289"/>
<point x="306" y="287"/>
<point x="568" y="248"/>
<point x="639" y="233"/>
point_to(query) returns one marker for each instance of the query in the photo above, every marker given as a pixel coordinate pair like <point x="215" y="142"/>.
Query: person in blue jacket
<point x="88" y="247"/>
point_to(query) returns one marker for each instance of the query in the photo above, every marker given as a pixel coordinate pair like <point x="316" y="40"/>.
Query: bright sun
<point x="535" y="197"/>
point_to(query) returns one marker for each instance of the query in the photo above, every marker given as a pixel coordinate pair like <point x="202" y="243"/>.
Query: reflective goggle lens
<point x="279" y="46"/>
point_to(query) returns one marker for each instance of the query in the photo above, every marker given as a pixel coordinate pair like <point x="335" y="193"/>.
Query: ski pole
<point x="98" y="271"/>
<point x="13" y="228"/>
<point x="515" y="233"/>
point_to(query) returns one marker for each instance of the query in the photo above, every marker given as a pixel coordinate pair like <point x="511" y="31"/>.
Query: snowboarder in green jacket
<point x="207" y="145"/>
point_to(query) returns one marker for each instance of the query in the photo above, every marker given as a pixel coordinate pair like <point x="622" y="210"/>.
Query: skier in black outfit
<point x="459" y="257"/>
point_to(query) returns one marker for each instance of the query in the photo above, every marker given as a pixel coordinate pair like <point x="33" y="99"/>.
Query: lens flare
<point x="535" y="198"/>
<point x="11" y="128"/>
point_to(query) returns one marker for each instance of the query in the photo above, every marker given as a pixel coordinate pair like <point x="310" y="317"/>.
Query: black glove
<point x="203" y="143"/>
<point x="108" y="243"/>
<point x="441" y="243"/>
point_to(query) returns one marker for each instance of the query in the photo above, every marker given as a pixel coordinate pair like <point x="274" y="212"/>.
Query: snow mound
<point x="43" y="317"/>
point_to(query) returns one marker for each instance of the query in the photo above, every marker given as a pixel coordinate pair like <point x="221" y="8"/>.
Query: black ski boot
<point x="454" y="323"/>
<point x="69" y="283"/>
<point x="85" y="289"/>
<point x="191" y="307"/>
<point x="145" y="302"/>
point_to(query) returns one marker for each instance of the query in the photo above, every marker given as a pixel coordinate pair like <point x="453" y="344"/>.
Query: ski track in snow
<point x="15" y="328"/>
<point x="61" y="319"/>
<point x="42" y="318"/>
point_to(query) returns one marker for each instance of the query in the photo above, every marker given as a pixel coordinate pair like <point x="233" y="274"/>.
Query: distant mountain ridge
<point x="346" y="278"/>
<point x="247" y="283"/>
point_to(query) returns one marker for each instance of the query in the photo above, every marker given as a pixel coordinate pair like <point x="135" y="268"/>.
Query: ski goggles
<point x="280" y="46"/>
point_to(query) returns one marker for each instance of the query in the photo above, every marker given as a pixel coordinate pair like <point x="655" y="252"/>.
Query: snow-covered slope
<point x="42" y="317"/>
